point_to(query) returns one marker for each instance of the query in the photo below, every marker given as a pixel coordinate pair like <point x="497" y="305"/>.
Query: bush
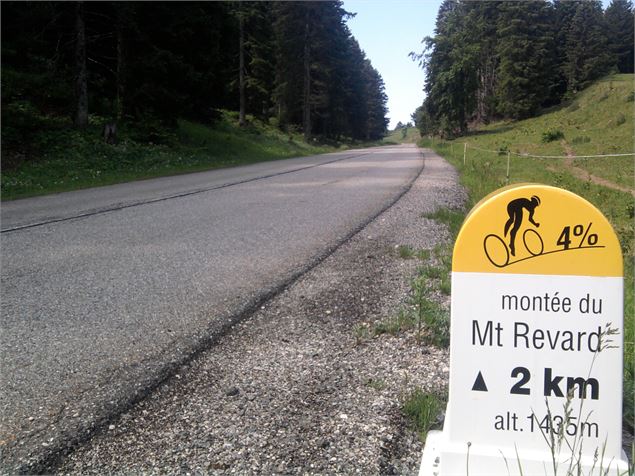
<point x="621" y="119"/>
<point x="552" y="135"/>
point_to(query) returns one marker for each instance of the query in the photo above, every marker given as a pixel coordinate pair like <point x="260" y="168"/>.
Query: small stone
<point x="111" y="427"/>
<point x="232" y="392"/>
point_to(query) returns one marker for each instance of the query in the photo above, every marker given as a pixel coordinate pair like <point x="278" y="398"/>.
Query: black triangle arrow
<point x="479" y="383"/>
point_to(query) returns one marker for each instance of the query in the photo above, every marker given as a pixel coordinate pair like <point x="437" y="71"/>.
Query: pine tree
<point x="619" y="21"/>
<point x="451" y="63"/>
<point x="563" y="13"/>
<point x="81" y="73"/>
<point x="260" y="58"/>
<point x="377" y="121"/>
<point x="481" y="25"/>
<point x="526" y="63"/>
<point x="587" y="54"/>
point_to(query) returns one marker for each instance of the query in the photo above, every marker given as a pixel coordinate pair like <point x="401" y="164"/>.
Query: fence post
<point x="508" y="156"/>
<point x="464" y="152"/>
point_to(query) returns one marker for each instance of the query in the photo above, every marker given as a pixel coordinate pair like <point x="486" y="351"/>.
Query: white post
<point x="464" y="152"/>
<point x="507" y="176"/>
<point x="507" y="379"/>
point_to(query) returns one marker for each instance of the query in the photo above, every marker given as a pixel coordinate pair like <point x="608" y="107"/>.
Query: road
<point x="106" y="291"/>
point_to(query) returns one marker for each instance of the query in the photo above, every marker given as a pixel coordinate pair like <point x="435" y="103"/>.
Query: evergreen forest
<point x="293" y="65"/>
<point x="492" y="60"/>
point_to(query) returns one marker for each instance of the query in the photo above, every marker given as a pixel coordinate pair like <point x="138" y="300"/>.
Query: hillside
<point x="598" y="121"/>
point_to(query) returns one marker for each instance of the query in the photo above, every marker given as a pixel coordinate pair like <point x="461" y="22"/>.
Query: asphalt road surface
<point x="106" y="291"/>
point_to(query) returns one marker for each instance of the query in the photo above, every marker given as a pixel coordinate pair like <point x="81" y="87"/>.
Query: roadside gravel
<point x="292" y="389"/>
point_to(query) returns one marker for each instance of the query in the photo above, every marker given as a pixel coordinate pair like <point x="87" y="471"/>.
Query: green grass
<point x="453" y="219"/>
<point x="63" y="159"/>
<point x="421" y="313"/>
<point x="589" y="126"/>
<point x="405" y="252"/>
<point x="376" y="384"/>
<point x="423" y="409"/>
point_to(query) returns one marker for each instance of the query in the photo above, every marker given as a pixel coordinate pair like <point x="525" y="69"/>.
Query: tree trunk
<point x="81" y="78"/>
<point x="121" y="62"/>
<point x="306" y="111"/>
<point x="241" y="74"/>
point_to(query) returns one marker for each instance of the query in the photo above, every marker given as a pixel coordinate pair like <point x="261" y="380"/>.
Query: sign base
<point x="444" y="458"/>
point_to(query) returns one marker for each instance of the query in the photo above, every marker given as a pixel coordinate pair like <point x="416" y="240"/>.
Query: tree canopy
<point x="509" y="59"/>
<point x="160" y="61"/>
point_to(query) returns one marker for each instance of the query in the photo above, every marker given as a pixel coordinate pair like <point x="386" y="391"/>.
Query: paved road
<point x="105" y="291"/>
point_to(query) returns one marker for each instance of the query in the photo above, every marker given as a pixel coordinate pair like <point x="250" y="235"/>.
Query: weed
<point x="551" y="135"/>
<point x="401" y="322"/>
<point x="450" y="217"/>
<point x="423" y="409"/>
<point x="405" y="252"/>
<point x="423" y="255"/>
<point x="432" y="272"/>
<point x="437" y="323"/>
<point x="443" y="253"/>
<point x="581" y="140"/>
<point x="445" y="287"/>
<point x="555" y="429"/>
<point x="376" y="384"/>
<point x="362" y="333"/>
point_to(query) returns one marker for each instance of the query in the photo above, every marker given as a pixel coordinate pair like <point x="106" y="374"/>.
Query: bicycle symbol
<point x="500" y="253"/>
<point x="497" y="251"/>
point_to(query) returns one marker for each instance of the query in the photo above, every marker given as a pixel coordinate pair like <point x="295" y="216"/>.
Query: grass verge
<point x="424" y="314"/>
<point x="58" y="158"/>
<point x="422" y="311"/>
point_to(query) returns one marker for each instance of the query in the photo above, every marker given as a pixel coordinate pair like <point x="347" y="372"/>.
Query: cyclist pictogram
<point x="500" y="253"/>
<point x="515" y="212"/>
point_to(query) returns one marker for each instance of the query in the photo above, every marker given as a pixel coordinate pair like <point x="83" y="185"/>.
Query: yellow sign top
<point x="537" y="229"/>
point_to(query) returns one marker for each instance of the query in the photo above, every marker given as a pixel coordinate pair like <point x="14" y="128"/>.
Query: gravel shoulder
<point x="292" y="390"/>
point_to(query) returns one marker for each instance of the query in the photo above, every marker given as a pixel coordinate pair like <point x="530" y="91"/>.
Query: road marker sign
<point x="537" y="309"/>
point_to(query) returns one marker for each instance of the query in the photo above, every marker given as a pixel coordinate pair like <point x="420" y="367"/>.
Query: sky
<point x="387" y="32"/>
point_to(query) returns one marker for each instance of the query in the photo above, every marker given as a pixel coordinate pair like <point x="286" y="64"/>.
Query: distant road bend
<point x="106" y="291"/>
